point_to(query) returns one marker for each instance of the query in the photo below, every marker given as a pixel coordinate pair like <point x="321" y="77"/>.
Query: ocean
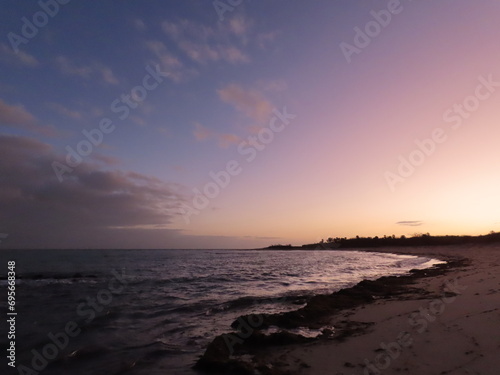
<point x="139" y="312"/>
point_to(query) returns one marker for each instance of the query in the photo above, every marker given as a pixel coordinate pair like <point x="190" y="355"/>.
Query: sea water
<point x="154" y="311"/>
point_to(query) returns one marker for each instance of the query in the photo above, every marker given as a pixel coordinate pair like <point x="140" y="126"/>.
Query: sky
<point x="240" y="124"/>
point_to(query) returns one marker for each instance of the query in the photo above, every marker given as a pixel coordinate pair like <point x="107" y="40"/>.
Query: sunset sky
<point x="334" y="118"/>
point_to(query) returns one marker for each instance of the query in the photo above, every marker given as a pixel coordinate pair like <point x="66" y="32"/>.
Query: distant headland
<point x="418" y="239"/>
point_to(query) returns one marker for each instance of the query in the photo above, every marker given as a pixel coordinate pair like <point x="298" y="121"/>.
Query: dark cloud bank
<point x="92" y="207"/>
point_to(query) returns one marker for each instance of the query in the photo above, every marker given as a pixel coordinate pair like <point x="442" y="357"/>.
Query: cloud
<point x="107" y="74"/>
<point x="86" y="71"/>
<point x="62" y="110"/>
<point x="249" y="102"/>
<point x="277" y="85"/>
<point x="204" y="44"/>
<point x="410" y="223"/>
<point x="138" y="120"/>
<point x="224" y="140"/>
<point x="15" y="115"/>
<point x="186" y="28"/>
<point x="240" y="25"/>
<point x="96" y="112"/>
<point x="139" y="24"/>
<point x="199" y="52"/>
<point x="18" y="117"/>
<point x="168" y="62"/>
<point x="201" y="132"/>
<point x="84" y="210"/>
<point x="104" y="159"/>
<point x="233" y="55"/>
<point x="203" y="53"/>
<point x="9" y="56"/>
<point x="264" y="39"/>
<point x="69" y="68"/>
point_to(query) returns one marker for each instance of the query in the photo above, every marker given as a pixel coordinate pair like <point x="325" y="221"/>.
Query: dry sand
<point x="453" y="330"/>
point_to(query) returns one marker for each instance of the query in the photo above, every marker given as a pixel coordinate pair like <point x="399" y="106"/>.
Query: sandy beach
<point x="443" y="322"/>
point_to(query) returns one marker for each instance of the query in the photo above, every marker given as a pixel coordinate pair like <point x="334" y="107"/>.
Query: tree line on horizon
<point x="418" y="239"/>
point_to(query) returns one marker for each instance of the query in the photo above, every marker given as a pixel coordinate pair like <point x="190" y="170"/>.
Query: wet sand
<point x="440" y="321"/>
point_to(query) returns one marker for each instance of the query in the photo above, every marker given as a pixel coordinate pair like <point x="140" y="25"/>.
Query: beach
<point x="441" y="321"/>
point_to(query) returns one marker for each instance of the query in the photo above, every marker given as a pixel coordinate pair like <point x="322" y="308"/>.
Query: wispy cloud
<point x="9" y="56"/>
<point x="200" y="132"/>
<point x="250" y="102"/>
<point x="17" y="116"/>
<point x="66" y="66"/>
<point x="169" y="62"/>
<point x="203" y="53"/>
<point x="265" y="39"/>
<point x="205" y="44"/>
<point x="105" y="159"/>
<point x="410" y="223"/>
<point x="233" y="55"/>
<point x="224" y="140"/>
<point x="107" y="74"/>
<point x="139" y="24"/>
<point x="138" y="120"/>
<point x="276" y="85"/>
<point x="62" y="110"/>
<point x="228" y="139"/>
<point x="186" y="28"/>
<point x="240" y="25"/>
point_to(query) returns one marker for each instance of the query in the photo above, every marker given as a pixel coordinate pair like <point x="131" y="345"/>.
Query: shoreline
<point x="356" y="317"/>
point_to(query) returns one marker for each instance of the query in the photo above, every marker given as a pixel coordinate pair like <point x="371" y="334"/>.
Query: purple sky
<point x="161" y="124"/>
